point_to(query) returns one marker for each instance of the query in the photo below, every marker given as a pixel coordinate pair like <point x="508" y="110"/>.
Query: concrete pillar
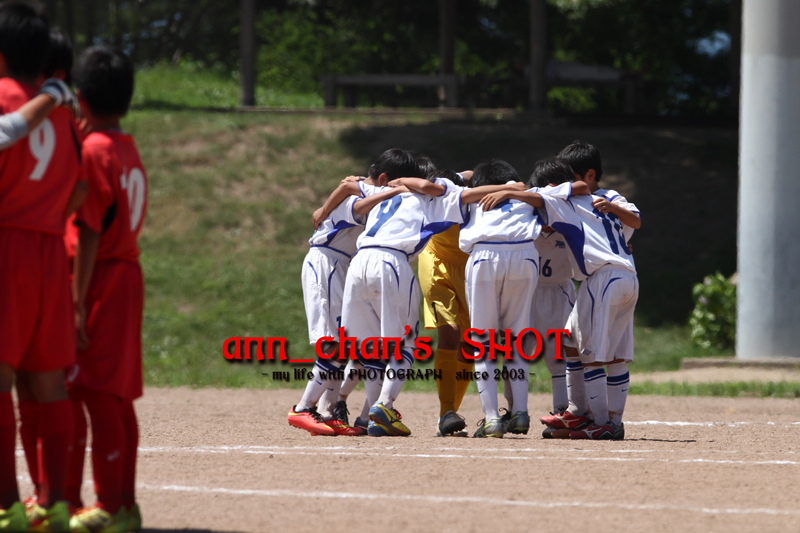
<point x="768" y="318"/>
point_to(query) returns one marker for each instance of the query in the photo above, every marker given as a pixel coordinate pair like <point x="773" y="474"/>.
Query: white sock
<point x="518" y="368"/>
<point x="391" y="386"/>
<point x="316" y="385"/>
<point x="508" y="395"/>
<point x="596" y="388"/>
<point x="364" y="416"/>
<point x="558" y="371"/>
<point x="576" y="390"/>
<point x="348" y="384"/>
<point x="618" y="383"/>
<point x="373" y="384"/>
<point x="487" y="388"/>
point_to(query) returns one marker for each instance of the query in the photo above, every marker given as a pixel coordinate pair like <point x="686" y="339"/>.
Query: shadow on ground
<point x="684" y="180"/>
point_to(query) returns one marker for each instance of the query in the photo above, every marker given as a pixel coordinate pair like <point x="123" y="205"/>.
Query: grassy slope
<point x="231" y="196"/>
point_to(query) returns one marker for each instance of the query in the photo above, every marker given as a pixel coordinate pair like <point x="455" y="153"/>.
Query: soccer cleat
<point x="490" y="428"/>
<point x="34" y="511"/>
<point x="134" y="518"/>
<point x="566" y="420"/>
<point x="97" y="520"/>
<point x="451" y="423"/>
<point x="14" y="518"/>
<point x="505" y="418"/>
<point x="55" y="519"/>
<point x="338" y="422"/>
<point x="310" y="420"/>
<point x="340" y="412"/>
<point x="360" y="428"/>
<point x="556" y="433"/>
<point x="390" y="419"/>
<point x="608" y="431"/>
<point x="519" y="423"/>
<point x="376" y="429"/>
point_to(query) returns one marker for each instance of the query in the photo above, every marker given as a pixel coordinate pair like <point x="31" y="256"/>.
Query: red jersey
<point x="38" y="173"/>
<point x="117" y="199"/>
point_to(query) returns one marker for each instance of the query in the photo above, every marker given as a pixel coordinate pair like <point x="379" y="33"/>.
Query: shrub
<point x="713" y="320"/>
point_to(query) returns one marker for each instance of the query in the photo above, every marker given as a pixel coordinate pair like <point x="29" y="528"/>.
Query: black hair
<point x="59" y="57"/>
<point x="396" y="163"/>
<point x="426" y="166"/>
<point x="551" y="170"/>
<point x="104" y="76"/>
<point x="446" y="173"/>
<point x="24" y="38"/>
<point x="493" y="172"/>
<point x="583" y="157"/>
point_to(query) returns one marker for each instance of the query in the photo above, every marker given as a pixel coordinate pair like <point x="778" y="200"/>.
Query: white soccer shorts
<point x="601" y="323"/>
<point x="323" y="277"/>
<point x="552" y="305"/>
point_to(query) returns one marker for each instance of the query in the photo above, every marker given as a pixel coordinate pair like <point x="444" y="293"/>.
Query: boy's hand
<point x="317" y="218"/>
<point x="603" y="205"/>
<point x="491" y="200"/>
<point x="520" y="186"/>
<point x="352" y="178"/>
<point x="62" y="95"/>
<point x="396" y="183"/>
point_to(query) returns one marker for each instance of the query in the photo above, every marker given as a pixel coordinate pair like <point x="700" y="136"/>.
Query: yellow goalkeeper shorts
<point x="444" y="289"/>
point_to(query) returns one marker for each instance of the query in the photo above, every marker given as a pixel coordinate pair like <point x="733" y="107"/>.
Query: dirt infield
<point x="226" y="460"/>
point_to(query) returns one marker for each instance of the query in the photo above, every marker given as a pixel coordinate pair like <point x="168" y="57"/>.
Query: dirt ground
<point x="226" y="460"/>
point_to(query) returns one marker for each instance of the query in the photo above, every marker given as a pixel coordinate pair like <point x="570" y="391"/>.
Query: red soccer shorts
<point x="37" y="321"/>
<point x="114" y="307"/>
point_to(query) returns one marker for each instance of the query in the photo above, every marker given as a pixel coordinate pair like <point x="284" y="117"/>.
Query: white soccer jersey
<point x="595" y="239"/>
<point x="340" y="231"/>
<point x="510" y="221"/>
<point x="555" y="266"/>
<point x="407" y="221"/>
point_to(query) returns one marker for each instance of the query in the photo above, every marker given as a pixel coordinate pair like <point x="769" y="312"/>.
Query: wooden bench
<point x="350" y="82"/>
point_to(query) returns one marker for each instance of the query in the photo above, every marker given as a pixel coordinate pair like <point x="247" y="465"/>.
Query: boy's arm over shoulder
<point x="625" y="211"/>
<point x="345" y="189"/>
<point x="365" y="205"/>
<point x="420" y="186"/>
<point x="478" y="193"/>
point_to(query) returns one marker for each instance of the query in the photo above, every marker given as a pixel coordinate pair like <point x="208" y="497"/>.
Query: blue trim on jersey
<point x="314" y="270"/>
<point x="395" y="273"/>
<point x="328" y="288"/>
<point x="478" y="261"/>
<point x="337" y="227"/>
<point x="593" y="375"/>
<point x="363" y="195"/>
<point x="426" y="232"/>
<point x="567" y="295"/>
<point x="619" y="380"/>
<point x="331" y="248"/>
<point x="607" y="286"/>
<point x="576" y="239"/>
<point x="592" y="297"/>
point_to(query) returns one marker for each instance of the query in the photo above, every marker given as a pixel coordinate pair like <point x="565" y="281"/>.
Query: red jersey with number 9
<point x="38" y="173"/>
<point x="117" y="198"/>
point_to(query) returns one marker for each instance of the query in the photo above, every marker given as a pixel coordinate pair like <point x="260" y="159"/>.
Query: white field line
<point x="354" y="451"/>
<point x="280" y="493"/>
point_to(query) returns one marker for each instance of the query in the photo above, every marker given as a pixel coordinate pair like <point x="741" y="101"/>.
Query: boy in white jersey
<point x="502" y="274"/>
<point x="381" y="296"/>
<point x="555" y="292"/>
<point x="597" y="230"/>
<point x="323" y="277"/>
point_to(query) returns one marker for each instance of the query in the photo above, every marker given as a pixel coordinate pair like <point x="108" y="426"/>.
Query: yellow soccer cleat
<point x="390" y="419"/>
<point x="14" y="518"/>
<point x="53" y="520"/>
<point x="97" y="520"/>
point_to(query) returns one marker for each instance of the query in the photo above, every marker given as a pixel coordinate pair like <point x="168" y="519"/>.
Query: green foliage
<point x="713" y="320"/>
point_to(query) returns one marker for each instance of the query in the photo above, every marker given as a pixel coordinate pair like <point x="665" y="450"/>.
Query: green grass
<point x="229" y="210"/>
<point x="185" y="85"/>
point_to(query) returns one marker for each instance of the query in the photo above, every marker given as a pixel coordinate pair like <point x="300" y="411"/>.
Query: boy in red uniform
<point x="109" y="290"/>
<point x="37" y="180"/>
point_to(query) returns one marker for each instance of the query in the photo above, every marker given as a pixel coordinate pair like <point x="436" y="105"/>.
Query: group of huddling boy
<point x="494" y="253"/>
<point x="73" y="193"/>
